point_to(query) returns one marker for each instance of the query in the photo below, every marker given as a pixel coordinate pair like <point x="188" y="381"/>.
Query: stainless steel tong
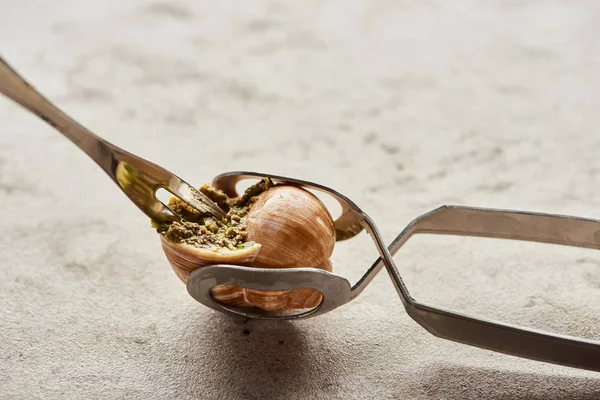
<point x="446" y="220"/>
<point x="140" y="179"/>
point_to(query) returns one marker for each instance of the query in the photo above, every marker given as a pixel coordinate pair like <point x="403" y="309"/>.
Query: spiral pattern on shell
<point x="291" y="228"/>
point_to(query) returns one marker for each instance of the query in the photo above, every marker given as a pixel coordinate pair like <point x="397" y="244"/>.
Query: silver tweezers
<point x="446" y="220"/>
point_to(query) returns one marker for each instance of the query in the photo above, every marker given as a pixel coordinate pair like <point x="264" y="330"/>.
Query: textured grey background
<point x="401" y="105"/>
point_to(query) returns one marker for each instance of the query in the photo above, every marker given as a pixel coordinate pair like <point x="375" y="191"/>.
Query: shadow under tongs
<point x="236" y="357"/>
<point x="465" y="382"/>
<point x="255" y="358"/>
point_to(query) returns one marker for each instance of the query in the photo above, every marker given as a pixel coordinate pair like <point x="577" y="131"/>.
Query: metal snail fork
<point x="139" y="179"/>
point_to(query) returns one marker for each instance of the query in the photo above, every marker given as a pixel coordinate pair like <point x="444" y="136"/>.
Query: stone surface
<point x="401" y="105"/>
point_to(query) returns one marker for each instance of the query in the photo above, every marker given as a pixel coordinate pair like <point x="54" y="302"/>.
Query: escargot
<point x="269" y="226"/>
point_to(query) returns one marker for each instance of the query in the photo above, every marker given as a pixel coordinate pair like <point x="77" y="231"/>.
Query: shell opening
<point x="269" y="226"/>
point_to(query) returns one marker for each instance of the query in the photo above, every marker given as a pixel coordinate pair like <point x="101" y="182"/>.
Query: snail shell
<point x="291" y="228"/>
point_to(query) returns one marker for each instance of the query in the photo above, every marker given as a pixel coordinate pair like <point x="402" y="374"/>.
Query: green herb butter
<point x="208" y="232"/>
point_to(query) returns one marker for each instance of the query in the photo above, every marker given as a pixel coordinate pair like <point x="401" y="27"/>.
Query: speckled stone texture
<point x="401" y="105"/>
